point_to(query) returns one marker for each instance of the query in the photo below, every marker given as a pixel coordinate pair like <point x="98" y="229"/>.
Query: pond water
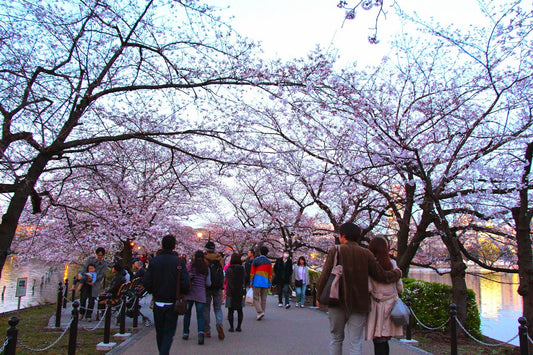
<point x="41" y="284"/>
<point x="497" y="298"/>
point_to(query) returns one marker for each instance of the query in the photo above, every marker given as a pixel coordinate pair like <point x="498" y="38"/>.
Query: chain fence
<point x="97" y="324"/>
<point x="51" y="345"/>
<point x="5" y="343"/>
<point x="425" y="326"/>
<point x="483" y="343"/>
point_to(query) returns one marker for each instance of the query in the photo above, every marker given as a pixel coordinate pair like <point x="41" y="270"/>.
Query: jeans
<point x="214" y="296"/>
<point x="260" y="299"/>
<point x="355" y="326"/>
<point x="165" y="320"/>
<point x="300" y="294"/>
<point x="200" y="308"/>
<point x="283" y="288"/>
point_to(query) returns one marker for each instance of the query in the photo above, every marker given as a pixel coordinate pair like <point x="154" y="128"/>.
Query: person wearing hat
<point x="214" y="292"/>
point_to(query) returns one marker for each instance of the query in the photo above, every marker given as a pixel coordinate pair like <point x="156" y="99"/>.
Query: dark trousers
<point x="283" y="288"/>
<point x="165" y="320"/>
<point x="86" y="294"/>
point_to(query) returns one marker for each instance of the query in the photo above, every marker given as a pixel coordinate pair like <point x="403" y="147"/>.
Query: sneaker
<point x="231" y="330"/>
<point x="260" y="316"/>
<point x="280" y="304"/>
<point x="220" y="331"/>
<point x="302" y="306"/>
<point x="238" y="329"/>
<point x="287" y="306"/>
<point x="200" y="339"/>
<point x="297" y="304"/>
<point x="185" y="337"/>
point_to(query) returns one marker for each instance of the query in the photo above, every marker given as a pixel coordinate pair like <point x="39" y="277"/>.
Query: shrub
<point x="431" y="301"/>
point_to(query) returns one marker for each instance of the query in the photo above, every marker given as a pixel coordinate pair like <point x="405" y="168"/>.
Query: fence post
<point x="122" y="314"/>
<point x="12" y="336"/>
<point x="453" y="329"/>
<point x="314" y="294"/>
<point x="410" y="324"/>
<point x="59" y="304"/>
<point x="73" y="289"/>
<point x="522" y="336"/>
<point x="73" y="335"/>
<point x="136" y="312"/>
<point x="107" y="328"/>
<point x="66" y="294"/>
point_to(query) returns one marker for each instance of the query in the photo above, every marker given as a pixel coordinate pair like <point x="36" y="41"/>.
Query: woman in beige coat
<point x="380" y="327"/>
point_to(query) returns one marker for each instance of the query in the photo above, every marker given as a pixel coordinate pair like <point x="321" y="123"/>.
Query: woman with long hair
<point x="235" y="290"/>
<point x="300" y="278"/>
<point x="380" y="327"/>
<point x="198" y="273"/>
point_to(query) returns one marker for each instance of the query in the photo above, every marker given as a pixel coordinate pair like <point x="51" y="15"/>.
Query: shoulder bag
<point x="180" y="304"/>
<point x="330" y="293"/>
<point x="400" y="313"/>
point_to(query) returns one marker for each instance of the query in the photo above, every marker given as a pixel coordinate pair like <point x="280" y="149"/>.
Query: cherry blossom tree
<point x="121" y="193"/>
<point x="77" y="74"/>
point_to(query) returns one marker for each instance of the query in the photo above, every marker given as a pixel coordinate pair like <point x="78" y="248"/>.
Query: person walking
<point x="214" y="292"/>
<point x="282" y="278"/>
<point x="196" y="297"/>
<point x="351" y="312"/>
<point x="300" y="277"/>
<point x="160" y="280"/>
<point x="380" y="327"/>
<point x="100" y="266"/>
<point x="248" y="267"/>
<point x="261" y="280"/>
<point x="235" y="291"/>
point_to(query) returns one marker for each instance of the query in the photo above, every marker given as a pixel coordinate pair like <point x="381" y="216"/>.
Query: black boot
<point x="230" y="320"/>
<point x="200" y="339"/>
<point x="239" y="319"/>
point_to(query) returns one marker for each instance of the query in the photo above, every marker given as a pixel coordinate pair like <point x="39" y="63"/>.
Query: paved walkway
<point x="282" y="331"/>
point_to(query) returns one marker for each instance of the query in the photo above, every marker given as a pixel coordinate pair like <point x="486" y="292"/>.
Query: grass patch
<point x="32" y="332"/>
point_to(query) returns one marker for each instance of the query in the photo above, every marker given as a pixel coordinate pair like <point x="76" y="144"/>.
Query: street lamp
<point x="199" y="235"/>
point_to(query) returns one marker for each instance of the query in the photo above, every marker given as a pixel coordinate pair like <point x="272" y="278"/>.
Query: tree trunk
<point x="458" y="275"/>
<point x="522" y="216"/>
<point x="16" y="205"/>
<point x="126" y="253"/>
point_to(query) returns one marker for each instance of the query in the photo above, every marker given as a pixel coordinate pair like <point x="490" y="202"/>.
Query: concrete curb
<point x="122" y="347"/>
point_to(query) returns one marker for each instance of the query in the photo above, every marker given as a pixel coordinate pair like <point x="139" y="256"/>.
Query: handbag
<point x="180" y="304"/>
<point x="400" y="313"/>
<point x="330" y="293"/>
<point x="298" y="283"/>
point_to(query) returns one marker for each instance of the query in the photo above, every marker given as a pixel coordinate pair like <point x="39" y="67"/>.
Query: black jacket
<point x="161" y="276"/>
<point x="247" y="269"/>
<point x="282" y="272"/>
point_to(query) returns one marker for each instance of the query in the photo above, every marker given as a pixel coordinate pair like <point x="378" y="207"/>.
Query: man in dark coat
<point x="282" y="277"/>
<point x="248" y="267"/>
<point x="160" y="280"/>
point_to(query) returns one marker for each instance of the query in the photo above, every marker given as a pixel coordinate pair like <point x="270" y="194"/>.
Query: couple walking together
<point x="368" y="291"/>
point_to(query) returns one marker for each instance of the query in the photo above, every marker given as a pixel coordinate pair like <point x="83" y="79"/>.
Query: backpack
<point x="216" y="274"/>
